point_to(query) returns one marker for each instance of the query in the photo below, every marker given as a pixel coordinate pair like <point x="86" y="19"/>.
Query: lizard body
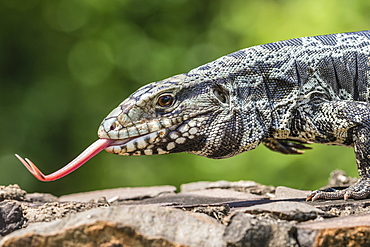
<point x="283" y="95"/>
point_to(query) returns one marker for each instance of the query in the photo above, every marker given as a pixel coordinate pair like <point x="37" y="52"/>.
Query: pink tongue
<point x="87" y="154"/>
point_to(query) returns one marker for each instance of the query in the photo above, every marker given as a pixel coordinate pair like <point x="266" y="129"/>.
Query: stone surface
<point x="12" y="192"/>
<point x="222" y="184"/>
<point x="40" y="198"/>
<point x="339" y="178"/>
<point x="343" y="208"/>
<point x="11" y="217"/>
<point x="55" y="210"/>
<point x="283" y="192"/>
<point x="121" y="194"/>
<point x="224" y="193"/>
<point x="131" y="225"/>
<point x="249" y="230"/>
<point x="286" y="210"/>
<point x="220" y="213"/>
<point x="242" y="186"/>
<point x="345" y="231"/>
<point x="182" y="200"/>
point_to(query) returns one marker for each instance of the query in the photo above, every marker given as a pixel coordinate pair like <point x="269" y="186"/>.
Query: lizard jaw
<point x="138" y="145"/>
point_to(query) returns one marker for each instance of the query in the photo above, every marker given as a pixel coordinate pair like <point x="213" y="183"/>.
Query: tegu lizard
<point x="284" y="95"/>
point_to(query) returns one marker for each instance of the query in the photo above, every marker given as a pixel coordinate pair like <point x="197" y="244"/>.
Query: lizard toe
<point x="359" y="190"/>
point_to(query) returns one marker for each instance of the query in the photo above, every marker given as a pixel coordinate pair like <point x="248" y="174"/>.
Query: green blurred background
<point x="65" y="64"/>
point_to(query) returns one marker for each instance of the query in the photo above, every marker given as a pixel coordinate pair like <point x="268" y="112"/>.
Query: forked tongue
<point x="86" y="155"/>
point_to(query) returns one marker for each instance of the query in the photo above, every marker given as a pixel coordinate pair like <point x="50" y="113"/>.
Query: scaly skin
<point x="283" y="95"/>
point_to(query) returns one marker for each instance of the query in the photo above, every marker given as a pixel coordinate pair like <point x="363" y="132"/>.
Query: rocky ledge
<point x="221" y="213"/>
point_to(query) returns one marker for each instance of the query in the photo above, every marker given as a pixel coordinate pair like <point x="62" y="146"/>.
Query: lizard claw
<point x="286" y="146"/>
<point x="359" y="190"/>
<point x="317" y="194"/>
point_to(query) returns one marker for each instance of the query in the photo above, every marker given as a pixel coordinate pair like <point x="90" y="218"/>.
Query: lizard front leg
<point x="357" y="112"/>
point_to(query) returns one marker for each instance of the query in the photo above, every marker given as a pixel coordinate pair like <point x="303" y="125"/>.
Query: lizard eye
<point x="220" y="95"/>
<point x="165" y="100"/>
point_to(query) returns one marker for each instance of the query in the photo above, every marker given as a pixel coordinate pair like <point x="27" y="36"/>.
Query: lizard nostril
<point x="114" y="126"/>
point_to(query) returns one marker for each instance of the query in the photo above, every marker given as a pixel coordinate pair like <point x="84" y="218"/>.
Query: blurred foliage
<point x="66" y="64"/>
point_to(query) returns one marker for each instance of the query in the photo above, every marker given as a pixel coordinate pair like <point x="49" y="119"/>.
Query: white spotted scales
<point x="284" y="95"/>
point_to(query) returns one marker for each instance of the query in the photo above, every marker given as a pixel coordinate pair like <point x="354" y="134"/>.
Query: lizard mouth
<point x="119" y="142"/>
<point x="138" y="145"/>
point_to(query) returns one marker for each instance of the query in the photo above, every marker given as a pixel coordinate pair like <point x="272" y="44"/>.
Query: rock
<point x="223" y="193"/>
<point x="40" y="198"/>
<point x="222" y="184"/>
<point x="286" y="210"/>
<point x="247" y="230"/>
<point x="183" y="200"/>
<point x="121" y="194"/>
<point x="283" y="192"/>
<point x="339" y="178"/>
<point x="217" y="212"/>
<point x="343" y="208"/>
<point x="204" y="214"/>
<point x="242" y="186"/>
<point x="56" y="210"/>
<point x="12" y="192"/>
<point x="123" y="226"/>
<point x="11" y="217"/>
<point x="345" y="231"/>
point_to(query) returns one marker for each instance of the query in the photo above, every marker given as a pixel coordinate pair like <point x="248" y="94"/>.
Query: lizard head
<point x="211" y="111"/>
<point x="178" y="114"/>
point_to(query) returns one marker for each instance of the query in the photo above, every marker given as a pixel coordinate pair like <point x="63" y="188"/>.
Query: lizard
<point x="284" y="95"/>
